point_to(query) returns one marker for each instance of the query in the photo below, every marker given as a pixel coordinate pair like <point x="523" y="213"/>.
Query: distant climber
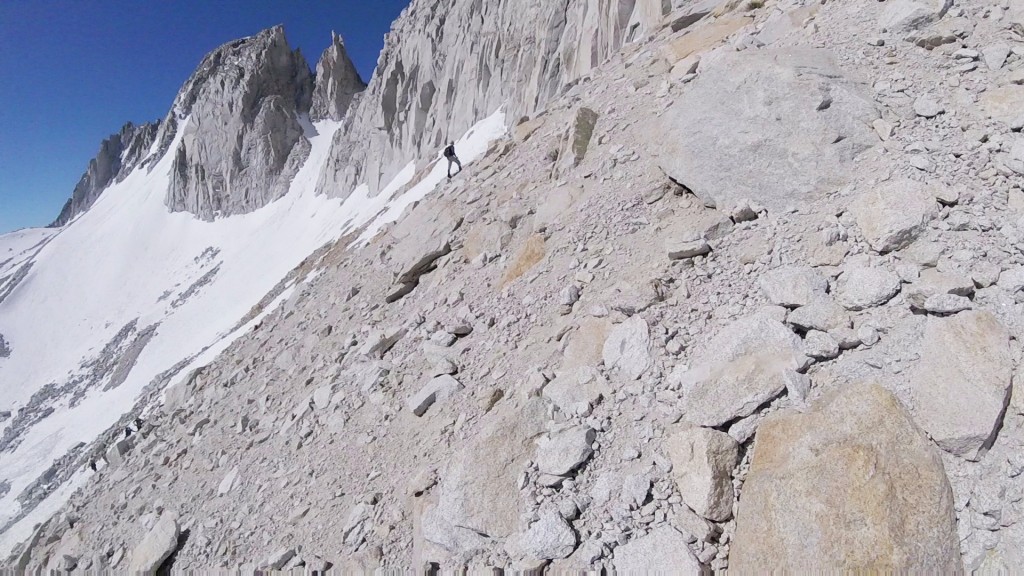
<point x="449" y="153"/>
<point x="92" y="464"/>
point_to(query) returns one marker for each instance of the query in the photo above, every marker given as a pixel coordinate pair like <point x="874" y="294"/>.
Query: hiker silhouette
<point x="449" y="153"/>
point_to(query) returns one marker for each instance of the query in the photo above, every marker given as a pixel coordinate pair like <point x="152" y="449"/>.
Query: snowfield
<point x="130" y="276"/>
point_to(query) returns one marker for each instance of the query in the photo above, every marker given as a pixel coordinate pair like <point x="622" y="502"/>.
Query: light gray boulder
<point x="337" y="83"/>
<point x="860" y="288"/>
<point x="894" y="214"/>
<point x="746" y="364"/>
<point x="943" y="304"/>
<point x="926" y="106"/>
<point x="627" y="351"/>
<point x="961" y="386"/>
<point x="243" y="142"/>
<point x="160" y="542"/>
<point x="549" y="538"/>
<point x="823" y="314"/>
<point x="565" y="451"/>
<point x="793" y="286"/>
<point x="1012" y="280"/>
<point x="821" y="345"/>
<point x="477" y="494"/>
<point x="931" y="282"/>
<point x="850" y="485"/>
<point x="702" y="465"/>
<point x="576" y="392"/>
<point x="686" y="246"/>
<point x="788" y="123"/>
<point x="900" y="16"/>
<point x="438" y="388"/>
<point x="662" y="551"/>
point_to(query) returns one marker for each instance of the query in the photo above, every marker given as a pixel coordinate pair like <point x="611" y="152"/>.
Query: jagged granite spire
<point x="118" y="155"/>
<point x="244" y="142"/>
<point x="337" y="82"/>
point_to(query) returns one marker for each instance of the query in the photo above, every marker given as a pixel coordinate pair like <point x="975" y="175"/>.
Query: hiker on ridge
<point x="449" y="153"/>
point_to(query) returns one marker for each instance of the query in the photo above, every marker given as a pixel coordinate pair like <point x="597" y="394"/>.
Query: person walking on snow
<point x="449" y="153"/>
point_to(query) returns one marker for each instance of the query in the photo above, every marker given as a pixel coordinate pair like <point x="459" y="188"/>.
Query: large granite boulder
<point x="853" y="485"/>
<point x="477" y="495"/>
<point x="787" y="124"/>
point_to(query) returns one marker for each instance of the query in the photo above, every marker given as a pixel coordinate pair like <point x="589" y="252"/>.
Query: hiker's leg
<point x="449" y="167"/>
<point x="459" y="163"/>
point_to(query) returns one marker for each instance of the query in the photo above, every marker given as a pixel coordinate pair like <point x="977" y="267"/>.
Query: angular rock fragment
<point x="893" y="214"/>
<point x="824" y="315"/>
<point x="862" y="288"/>
<point x="961" y="386"/>
<point x="477" y="494"/>
<point x="859" y="476"/>
<point x="793" y="286"/>
<point x="438" y="388"/>
<point x="159" y="543"/>
<point x="565" y="451"/>
<point x="702" y="464"/>
<point x="628" y="348"/>
<point x="549" y="538"/>
<point x="746" y="364"/>
<point x="662" y="551"/>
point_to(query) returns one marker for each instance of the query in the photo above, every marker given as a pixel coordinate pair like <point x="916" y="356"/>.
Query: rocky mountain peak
<point x="337" y="82"/>
<point x="244" y="141"/>
<point x="119" y="154"/>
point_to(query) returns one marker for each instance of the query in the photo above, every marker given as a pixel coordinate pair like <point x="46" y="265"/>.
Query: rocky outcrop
<point x="243" y="142"/>
<point x="852" y="485"/>
<point x="447" y="65"/>
<point x="337" y="83"/>
<point x="119" y="154"/>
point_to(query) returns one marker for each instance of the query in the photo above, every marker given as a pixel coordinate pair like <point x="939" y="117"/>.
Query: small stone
<point x="438" y="388"/>
<point x="549" y="538"/>
<point x="947" y="304"/>
<point x="793" y="286"/>
<point x="995" y="56"/>
<point x="863" y="288"/>
<point x="683" y="248"/>
<point x="702" y="464"/>
<point x="565" y="451"/>
<point x="884" y="129"/>
<point x="820" y="345"/>
<point x="868" y="335"/>
<point x="927" y="106"/>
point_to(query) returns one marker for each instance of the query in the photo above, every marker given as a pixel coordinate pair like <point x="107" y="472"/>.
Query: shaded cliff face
<point x="337" y="83"/>
<point x="119" y="154"/>
<point x="447" y="64"/>
<point x="244" y="141"/>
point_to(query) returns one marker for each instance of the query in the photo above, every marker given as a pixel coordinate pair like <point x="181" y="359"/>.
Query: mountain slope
<point x="747" y="297"/>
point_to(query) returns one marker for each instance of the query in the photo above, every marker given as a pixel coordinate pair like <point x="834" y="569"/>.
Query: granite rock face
<point x="119" y="154"/>
<point x="448" y="64"/>
<point x="243" y="141"/>
<point x="337" y="83"/>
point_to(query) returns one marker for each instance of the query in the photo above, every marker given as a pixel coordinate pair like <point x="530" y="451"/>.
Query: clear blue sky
<point x="72" y="72"/>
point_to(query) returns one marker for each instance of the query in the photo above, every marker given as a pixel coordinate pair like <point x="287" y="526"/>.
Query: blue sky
<point x="72" y="72"/>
